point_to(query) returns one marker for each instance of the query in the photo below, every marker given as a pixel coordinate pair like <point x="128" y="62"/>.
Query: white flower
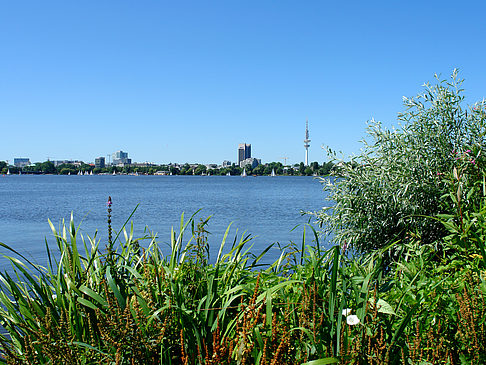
<point x="352" y="320"/>
<point x="346" y="312"/>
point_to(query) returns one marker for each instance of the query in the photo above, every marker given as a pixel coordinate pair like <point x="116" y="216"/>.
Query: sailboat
<point x="79" y="172"/>
<point x="114" y="173"/>
<point x="20" y="172"/>
<point x="91" y="172"/>
<point x="243" y="174"/>
<point x="8" y="171"/>
<point x="228" y="174"/>
<point x="273" y="173"/>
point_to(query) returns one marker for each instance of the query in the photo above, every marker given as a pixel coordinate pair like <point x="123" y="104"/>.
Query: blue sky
<point x="186" y="81"/>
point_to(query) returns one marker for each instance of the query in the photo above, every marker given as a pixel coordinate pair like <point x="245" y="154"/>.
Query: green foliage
<point x="129" y="305"/>
<point x="389" y="192"/>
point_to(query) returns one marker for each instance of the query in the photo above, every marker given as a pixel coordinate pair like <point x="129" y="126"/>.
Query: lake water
<point x="268" y="208"/>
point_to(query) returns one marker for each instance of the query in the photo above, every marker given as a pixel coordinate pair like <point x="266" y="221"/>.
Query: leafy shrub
<point x="390" y="190"/>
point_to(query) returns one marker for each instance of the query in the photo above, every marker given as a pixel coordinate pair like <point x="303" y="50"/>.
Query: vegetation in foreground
<point x="403" y="300"/>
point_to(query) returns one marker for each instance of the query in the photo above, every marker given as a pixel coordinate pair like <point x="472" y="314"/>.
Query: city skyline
<point x="187" y="82"/>
<point x="121" y="158"/>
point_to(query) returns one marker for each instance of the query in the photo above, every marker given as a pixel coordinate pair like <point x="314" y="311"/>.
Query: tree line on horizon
<point x="48" y="167"/>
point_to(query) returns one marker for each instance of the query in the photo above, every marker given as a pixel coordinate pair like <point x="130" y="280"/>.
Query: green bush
<point x="389" y="192"/>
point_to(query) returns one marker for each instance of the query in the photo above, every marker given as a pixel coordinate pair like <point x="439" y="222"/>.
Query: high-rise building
<point x="244" y="152"/>
<point x="120" y="157"/>
<point x="100" y="162"/>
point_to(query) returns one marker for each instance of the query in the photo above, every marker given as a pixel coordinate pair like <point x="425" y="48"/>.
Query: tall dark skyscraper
<point x="244" y="152"/>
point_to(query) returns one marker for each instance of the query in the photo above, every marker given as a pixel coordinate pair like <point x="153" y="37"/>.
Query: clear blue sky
<point x="186" y="81"/>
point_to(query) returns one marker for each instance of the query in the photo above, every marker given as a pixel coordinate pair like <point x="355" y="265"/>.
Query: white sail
<point x="228" y="174"/>
<point x="273" y="172"/>
<point x="243" y="174"/>
<point x="8" y="171"/>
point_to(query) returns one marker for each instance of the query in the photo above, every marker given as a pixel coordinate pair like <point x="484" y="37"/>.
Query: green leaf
<point x="87" y="303"/>
<point x="91" y="293"/>
<point x="324" y="361"/>
<point x="383" y="306"/>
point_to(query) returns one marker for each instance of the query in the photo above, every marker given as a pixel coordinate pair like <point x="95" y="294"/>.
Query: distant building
<point x="226" y="163"/>
<point x="142" y="164"/>
<point x="100" y="162"/>
<point x="244" y="152"/>
<point x="121" y="158"/>
<point x="253" y="162"/>
<point x="21" y="162"/>
<point x="67" y="162"/>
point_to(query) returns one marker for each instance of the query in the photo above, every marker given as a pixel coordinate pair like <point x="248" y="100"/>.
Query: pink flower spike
<point x="468" y="151"/>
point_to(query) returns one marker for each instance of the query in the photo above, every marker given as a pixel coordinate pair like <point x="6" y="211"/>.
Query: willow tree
<point x="391" y="190"/>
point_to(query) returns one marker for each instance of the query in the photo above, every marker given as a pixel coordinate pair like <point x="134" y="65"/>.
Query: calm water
<point x="266" y="207"/>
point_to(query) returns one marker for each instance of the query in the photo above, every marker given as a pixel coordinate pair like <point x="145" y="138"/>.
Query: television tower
<point x="306" y="143"/>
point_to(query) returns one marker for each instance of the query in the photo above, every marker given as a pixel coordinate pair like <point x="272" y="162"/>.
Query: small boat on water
<point x="228" y="174"/>
<point x="243" y="174"/>
<point x="273" y="173"/>
<point x="91" y="172"/>
<point x="114" y="173"/>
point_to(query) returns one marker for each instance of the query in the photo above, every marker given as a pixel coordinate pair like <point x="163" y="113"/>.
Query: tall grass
<point x="128" y="304"/>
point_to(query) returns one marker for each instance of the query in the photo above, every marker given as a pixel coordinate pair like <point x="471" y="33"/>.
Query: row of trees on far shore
<point x="48" y="167"/>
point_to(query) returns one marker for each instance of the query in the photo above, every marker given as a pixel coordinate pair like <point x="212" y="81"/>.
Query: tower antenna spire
<point x="307" y="143"/>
